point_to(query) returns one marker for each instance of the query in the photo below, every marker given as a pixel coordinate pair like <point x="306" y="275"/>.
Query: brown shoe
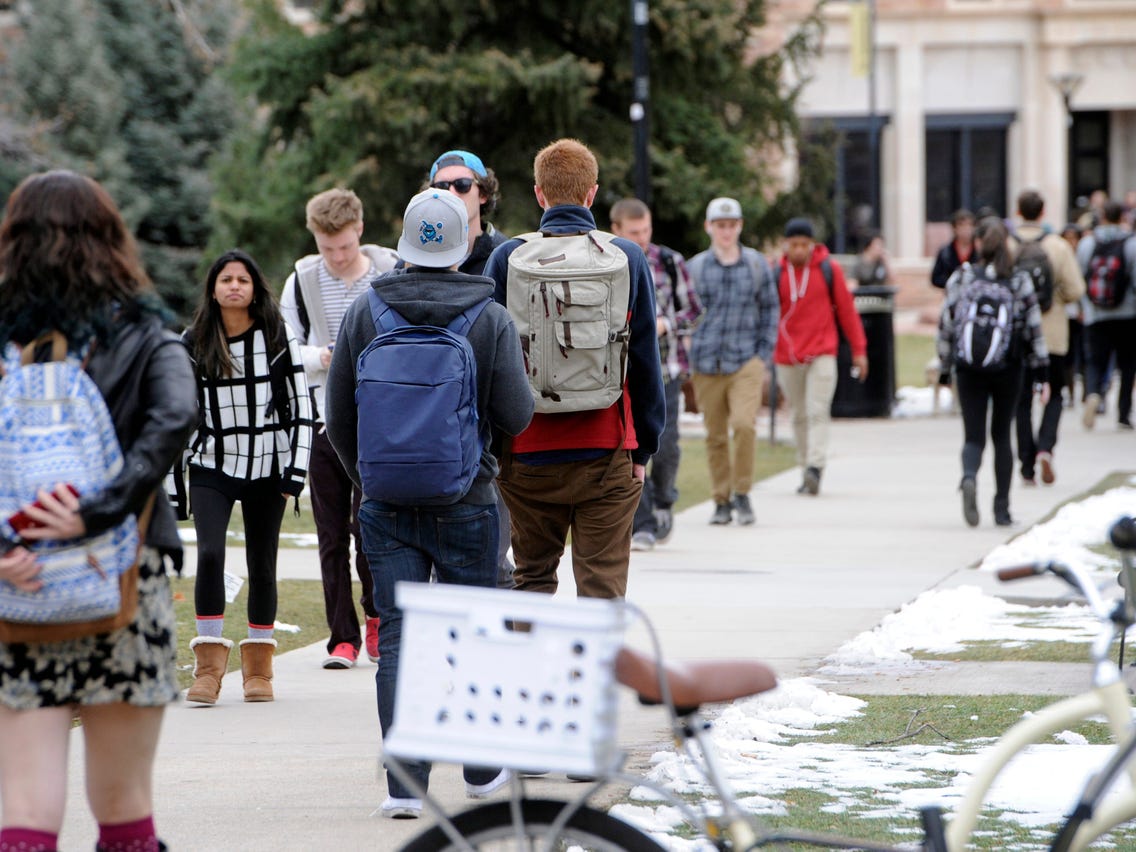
<point x="1045" y="463"/>
<point x="211" y="655"/>
<point x="256" y="667"/>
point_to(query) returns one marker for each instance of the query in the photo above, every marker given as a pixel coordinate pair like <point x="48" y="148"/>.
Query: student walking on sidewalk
<point x="442" y="521"/>
<point x="990" y="324"/>
<point x="315" y="297"/>
<point x="816" y="308"/>
<point x="729" y="354"/>
<point x="68" y="262"/>
<point x="252" y="445"/>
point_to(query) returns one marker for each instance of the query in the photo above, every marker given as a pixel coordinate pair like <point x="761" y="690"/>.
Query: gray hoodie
<point x="1127" y="307"/>
<point x="435" y="297"/>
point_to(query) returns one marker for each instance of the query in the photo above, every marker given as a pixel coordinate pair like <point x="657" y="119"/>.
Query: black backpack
<point x="1108" y="273"/>
<point x="984" y="324"/>
<point x="1033" y="260"/>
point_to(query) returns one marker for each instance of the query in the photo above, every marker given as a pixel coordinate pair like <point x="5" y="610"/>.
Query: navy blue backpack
<point x="420" y="439"/>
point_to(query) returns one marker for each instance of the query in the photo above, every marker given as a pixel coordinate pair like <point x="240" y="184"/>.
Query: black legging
<point x="1107" y="338"/>
<point x="978" y="393"/>
<point x="262" y="507"/>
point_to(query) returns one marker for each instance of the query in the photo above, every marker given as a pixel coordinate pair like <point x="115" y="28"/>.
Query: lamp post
<point x="640" y="96"/>
<point x="1067" y="84"/>
<point x="873" y="123"/>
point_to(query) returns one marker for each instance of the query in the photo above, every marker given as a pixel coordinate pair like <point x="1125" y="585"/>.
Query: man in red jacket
<point x="814" y="297"/>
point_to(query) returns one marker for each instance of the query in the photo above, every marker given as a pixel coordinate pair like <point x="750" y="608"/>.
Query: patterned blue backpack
<point x="420" y="440"/>
<point x="55" y="427"/>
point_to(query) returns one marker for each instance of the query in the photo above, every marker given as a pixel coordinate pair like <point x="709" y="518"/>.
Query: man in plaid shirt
<point x="729" y="353"/>
<point x="677" y="310"/>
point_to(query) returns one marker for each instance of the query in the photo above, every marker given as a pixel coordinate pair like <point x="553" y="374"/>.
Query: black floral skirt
<point x="136" y="664"/>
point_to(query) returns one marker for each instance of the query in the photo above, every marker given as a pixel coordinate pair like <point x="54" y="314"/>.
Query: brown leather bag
<point x="12" y="632"/>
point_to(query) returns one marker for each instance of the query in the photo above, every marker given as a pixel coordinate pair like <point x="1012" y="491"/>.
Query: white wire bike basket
<point x="503" y="678"/>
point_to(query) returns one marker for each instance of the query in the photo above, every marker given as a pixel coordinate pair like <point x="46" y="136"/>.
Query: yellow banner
<point x="860" y="38"/>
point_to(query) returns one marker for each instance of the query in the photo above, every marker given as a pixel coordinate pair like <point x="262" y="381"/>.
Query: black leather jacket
<point x="146" y="378"/>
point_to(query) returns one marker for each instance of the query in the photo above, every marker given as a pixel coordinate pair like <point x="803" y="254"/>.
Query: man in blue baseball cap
<point x="465" y="175"/>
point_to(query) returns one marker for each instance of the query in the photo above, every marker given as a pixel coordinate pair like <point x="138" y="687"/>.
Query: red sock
<point x="137" y="836"/>
<point x="27" y="840"/>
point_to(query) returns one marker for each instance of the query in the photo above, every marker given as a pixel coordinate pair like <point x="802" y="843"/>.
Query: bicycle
<point x="460" y="711"/>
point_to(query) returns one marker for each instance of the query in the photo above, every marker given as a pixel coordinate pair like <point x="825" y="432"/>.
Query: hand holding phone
<point x="22" y="520"/>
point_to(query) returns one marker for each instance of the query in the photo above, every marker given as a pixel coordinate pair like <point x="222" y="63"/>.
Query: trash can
<point x="872" y="398"/>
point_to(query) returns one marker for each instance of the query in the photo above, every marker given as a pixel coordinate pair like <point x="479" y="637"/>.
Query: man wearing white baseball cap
<point x="407" y="539"/>
<point x="731" y="349"/>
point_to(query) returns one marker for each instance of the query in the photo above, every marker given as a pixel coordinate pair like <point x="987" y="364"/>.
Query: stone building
<point x="974" y="100"/>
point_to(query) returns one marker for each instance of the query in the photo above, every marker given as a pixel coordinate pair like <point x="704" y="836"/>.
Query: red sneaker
<point x="373" y="639"/>
<point x="342" y="656"/>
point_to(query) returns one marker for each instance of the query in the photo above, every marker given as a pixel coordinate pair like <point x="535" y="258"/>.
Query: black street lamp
<point x="640" y="97"/>
<point x="1067" y="84"/>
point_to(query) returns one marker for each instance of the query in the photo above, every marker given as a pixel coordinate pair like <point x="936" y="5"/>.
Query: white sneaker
<point x="1089" y="414"/>
<point x="643" y="541"/>
<point x="480" y="791"/>
<point x="401" y="808"/>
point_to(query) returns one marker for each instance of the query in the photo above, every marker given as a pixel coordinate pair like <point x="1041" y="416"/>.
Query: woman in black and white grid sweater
<point x="251" y="445"/>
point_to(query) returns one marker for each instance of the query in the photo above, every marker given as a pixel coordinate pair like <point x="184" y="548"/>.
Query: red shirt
<point x="579" y="430"/>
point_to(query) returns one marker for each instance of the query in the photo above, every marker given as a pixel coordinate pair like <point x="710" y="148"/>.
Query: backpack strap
<point x="305" y="271"/>
<point x="385" y="317"/>
<point x="668" y="258"/>
<point x="826" y="270"/>
<point x="463" y="322"/>
<point x="57" y="342"/>
<point x="750" y="256"/>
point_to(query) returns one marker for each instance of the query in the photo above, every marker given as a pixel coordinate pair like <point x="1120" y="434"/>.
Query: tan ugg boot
<point x="256" y="666"/>
<point x="212" y="660"/>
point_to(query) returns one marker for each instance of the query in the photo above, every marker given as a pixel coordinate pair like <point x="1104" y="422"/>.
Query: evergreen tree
<point x="125" y="91"/>
<point x="370" y="97"/>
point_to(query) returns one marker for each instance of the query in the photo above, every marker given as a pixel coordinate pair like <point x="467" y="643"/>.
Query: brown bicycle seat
<point x="692" y="683"/>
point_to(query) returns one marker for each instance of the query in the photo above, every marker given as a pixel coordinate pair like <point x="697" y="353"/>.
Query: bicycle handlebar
<point x="1017" y="572"/>
<point x="1071" y="574"/>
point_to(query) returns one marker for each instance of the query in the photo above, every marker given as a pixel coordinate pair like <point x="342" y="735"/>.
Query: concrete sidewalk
<point x="301" y="773"/>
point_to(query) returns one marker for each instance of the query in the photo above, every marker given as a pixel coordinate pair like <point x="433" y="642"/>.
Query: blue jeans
<point x="459" y="543"/>
<point x="659" y="490"/>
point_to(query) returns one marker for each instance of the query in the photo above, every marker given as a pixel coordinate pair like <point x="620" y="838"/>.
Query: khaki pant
<point x="730" y="403"/>
<point x="809" y="389"/>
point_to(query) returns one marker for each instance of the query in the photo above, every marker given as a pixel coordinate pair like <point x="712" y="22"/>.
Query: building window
<point x="850" y="217"/>
<point x="966" y="164"/>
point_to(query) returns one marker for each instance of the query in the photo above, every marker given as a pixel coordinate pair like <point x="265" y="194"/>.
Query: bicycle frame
<point x="1108" y="697"/>
<point x="1110" y="700"/>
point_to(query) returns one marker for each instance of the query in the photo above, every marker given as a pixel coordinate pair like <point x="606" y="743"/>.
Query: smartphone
<point x="22" y="520"/>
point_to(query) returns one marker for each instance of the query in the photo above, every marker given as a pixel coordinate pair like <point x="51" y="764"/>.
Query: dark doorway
<point x="1088" y="154"/>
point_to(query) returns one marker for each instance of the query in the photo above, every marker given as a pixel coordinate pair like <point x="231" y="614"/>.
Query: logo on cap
<point x="428" y="233"/>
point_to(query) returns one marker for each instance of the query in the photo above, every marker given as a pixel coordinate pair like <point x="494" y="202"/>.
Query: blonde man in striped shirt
<point x="316" y="296"/>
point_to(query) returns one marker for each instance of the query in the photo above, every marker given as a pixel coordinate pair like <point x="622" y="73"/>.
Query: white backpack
<point x="570" y="298"/>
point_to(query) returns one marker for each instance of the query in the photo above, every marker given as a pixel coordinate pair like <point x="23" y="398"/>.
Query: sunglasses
<point x="462" y="185"/>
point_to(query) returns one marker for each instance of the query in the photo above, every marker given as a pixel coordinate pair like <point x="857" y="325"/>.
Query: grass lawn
<point x="300" y="603"/>
<point x="912" y="352"/>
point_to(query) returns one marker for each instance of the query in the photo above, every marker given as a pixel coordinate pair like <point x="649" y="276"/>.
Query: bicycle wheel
<point x="490" y="827"/>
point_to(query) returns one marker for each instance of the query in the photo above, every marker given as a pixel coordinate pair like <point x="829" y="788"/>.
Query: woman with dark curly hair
<point x="69" y="264"/>
<point x="252" y="444"/>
